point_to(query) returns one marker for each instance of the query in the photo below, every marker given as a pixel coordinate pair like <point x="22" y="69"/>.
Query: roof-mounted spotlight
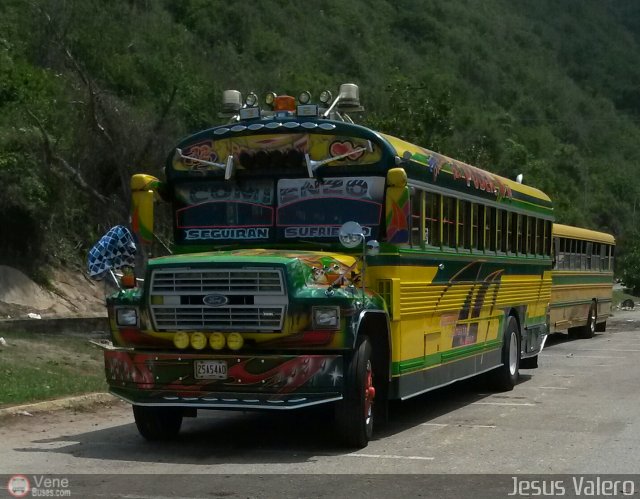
<point x="348" y="100"/>
<point x="304" y="97"/>
<point x="325" y="97"/>
<point x="231" y="101"/>
<point x="349" y="95"/>
<point x="251" y="99"/>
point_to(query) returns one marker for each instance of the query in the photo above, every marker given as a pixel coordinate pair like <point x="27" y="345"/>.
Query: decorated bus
<point x="316" y="261"/>
<point x="582" y="286"/>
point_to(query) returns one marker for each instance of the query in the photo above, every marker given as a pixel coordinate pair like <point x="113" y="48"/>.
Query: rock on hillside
<point x="72" y="294"/>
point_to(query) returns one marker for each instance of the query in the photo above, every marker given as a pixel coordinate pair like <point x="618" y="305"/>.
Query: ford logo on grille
<point x="215" y="300"/>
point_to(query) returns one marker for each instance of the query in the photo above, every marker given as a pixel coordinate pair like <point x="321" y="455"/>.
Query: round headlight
<point x="325" y="97"/>
<point x="198" y="341"/>
<point x="235" y="341"/>
<point x="217" y="341"/>
<point x="181" y="340"/>
<point x="304" y="97"/>
<point x="251" y="99"/>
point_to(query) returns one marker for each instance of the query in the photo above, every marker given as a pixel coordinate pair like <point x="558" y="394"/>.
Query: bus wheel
<point x="589" y="328"/>
<point x="505" y="377"/>
<point x="157" y="423"/>
<point x="354" y="414"/>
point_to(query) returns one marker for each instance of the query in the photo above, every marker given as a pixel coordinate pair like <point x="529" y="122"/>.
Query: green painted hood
<point x="303" y="268"/>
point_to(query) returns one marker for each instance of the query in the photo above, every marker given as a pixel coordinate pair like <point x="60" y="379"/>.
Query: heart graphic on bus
<point x="339" y="148"/>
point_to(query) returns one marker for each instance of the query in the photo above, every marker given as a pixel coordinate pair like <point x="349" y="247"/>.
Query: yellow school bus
<point x="582" y="280"/>
<point x="316" y="261"/>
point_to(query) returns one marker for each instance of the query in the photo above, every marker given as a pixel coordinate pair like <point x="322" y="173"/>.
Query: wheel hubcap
<point x="513" y="354"/>
<point x="369" y="394"/>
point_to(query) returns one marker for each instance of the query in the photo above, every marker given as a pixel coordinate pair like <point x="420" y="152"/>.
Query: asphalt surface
<point x="577" y="414"/>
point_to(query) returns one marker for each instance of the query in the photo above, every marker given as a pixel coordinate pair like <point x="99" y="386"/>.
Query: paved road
<point x="576" y="414"/>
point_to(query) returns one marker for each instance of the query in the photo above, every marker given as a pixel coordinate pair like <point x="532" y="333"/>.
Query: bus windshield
<point x="223" y="210"/>
<point x="310" y="208"/>
<point x="226" y="211"/>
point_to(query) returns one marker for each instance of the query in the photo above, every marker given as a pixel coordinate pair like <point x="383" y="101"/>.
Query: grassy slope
<point x="37" y="367"/>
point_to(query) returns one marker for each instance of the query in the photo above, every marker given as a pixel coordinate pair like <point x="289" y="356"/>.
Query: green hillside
<point x="92" y="91"/>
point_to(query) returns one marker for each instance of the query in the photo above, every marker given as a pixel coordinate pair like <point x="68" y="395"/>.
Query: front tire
<point x="157" y="423"/>
<point x="505" y="377"/>
<point x="354" y="414"/>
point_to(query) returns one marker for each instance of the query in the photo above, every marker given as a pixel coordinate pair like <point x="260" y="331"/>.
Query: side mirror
<point x="143" y="189"/>
<point x="373" y="247"/>
<point x="351" y="234"/>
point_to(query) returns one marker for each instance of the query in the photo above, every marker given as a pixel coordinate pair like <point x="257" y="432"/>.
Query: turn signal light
<point x="284" y="103"/>
<point x="128" y="279"/>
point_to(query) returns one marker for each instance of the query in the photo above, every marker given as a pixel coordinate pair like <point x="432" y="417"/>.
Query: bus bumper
<point x="233" y="381"/>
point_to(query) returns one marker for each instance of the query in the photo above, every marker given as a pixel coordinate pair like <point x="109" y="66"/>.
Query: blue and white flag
<point x="115" y="249"/>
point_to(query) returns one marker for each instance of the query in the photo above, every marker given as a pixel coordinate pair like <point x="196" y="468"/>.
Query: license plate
<point x="210" y="369"/>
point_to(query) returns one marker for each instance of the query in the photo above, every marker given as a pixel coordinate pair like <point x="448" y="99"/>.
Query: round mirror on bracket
<point x="351" y="234"/>
<point x="373" y="247"/>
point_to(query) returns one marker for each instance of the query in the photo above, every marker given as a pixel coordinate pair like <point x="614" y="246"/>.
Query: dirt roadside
<point x="71" y="294"/>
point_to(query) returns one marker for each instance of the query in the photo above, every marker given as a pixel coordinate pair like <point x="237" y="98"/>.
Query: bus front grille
<point x="217" y="299"/>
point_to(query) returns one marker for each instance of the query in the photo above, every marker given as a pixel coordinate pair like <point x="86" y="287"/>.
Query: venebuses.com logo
<point x="38" y="486"/>
<point x="19" y="486"/>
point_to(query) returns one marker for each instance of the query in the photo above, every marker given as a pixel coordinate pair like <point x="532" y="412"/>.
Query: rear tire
<point x="354" y="414"/>
<point x="589" y="329"/>
<point x="158" y="423"/>
<point x="601" y="327"/>
<point x="505" y="377"/>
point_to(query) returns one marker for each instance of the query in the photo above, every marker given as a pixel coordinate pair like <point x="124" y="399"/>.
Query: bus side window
<point x="432" y="216"/>
<point x="449" y="222"/>
<point x="605" y="257"/>
<point x="507" y="229"/>
<point x="562" y="254"/>
<point x="522" y="235"/>
<point x="464" y="224"/>
<point x="477" y="222"/>
<point x="539" y="237"/>
<point x="500" y="231"/>
<point x="595" y="257"/>
<point x="514" y="233"/>
<point x="490" y="228"/>
<point x="612" y="254"/>
<point x="547" y="237"/>
<point x="571" y="249"/>
<point x="530" y="238"/>
<point x="416" y="216"/>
